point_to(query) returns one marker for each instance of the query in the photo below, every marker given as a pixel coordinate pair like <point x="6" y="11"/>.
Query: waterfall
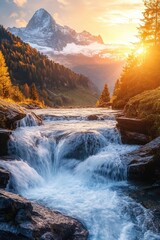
<point x="23" y="176"/>
<point x="75" y="166"/>
<point x="29" y="120"/>
<point x="47" y="153"/>
<point x="35" y="148"/>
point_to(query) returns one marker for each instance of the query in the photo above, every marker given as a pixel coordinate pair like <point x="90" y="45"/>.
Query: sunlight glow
<point x="141" y="50"/>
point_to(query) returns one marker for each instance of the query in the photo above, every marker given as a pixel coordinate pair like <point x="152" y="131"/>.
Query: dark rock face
<point x="132" y="125"/>
<point x="4" y="138"/>
<point x="134" y="138"/>
<point x="21" y="219"/>
<point x="4" y="178"/>
<point x="144" y="164"/>
<point x="133" y="131"/>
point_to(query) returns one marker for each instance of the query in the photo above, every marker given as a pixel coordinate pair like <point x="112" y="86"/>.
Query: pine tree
<point x="104" y="98"/>
<point x="16" y="94"/>
<point x="5" y="82"/>
<point x="149" y="31"/>
<point x="34" y="92"/>
<point x="26" y="90"/>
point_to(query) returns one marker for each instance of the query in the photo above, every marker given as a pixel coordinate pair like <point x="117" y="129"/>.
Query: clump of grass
<point x="146" y="106"/>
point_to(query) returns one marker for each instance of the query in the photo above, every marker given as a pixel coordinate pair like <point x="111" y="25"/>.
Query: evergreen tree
<point x="104" y="98"/>
<point x="34" y="92"/>
<point x="149" y="31"/>
<point x="16" y="94"/>
<point x="5" y="82"/>
<point x="26" y="90"/>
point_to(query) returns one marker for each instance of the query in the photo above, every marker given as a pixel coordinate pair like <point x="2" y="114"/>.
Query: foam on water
<point x="75" y="167"/>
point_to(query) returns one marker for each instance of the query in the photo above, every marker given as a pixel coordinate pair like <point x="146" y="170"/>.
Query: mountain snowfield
<point x="43" y="31"/>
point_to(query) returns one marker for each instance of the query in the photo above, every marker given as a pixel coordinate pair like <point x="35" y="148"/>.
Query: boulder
<point x="4" y="138"/>
<point x="9" y="114"/>
<point x="93" y="118"/>
<point x="134" y="138"/>
<point x="144" y="163"/>
<point x="13" y="115"/>
<point x="133" y="131"/>
<point x="21" y="219"/>
<point x="132" y="125"/>
<point x="4" y="178"/>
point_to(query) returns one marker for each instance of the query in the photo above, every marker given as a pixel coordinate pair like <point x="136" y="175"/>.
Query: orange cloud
<point x="21" y="22"/>
<point x="20" y="3"/>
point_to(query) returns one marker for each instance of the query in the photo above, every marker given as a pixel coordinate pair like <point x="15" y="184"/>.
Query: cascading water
<point x="74" y="166"/>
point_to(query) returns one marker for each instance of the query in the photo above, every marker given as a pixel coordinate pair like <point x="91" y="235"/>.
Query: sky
<point x="115" y="20"/>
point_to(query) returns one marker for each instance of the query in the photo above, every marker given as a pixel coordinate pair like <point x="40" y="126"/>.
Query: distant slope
<point x="27" y="65"/>
<point x="99" y="70"/>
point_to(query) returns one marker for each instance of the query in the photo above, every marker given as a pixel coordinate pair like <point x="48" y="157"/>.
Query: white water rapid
<point x="74" y="166"/>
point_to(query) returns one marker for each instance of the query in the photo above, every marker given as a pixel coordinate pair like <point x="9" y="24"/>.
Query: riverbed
<point x="74" y="166"/>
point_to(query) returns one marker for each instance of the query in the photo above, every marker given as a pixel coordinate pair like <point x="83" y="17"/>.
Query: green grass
<point x="146" y="106"/>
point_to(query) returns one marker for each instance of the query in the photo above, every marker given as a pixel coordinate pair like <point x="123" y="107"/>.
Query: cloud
<point x="57" y="18"/>
<point x="13" y="15"/>
<point x="20" y="3"/>
<point x="21" y="22"/>
<point x="121" y="14"/>
<point x="63" y="2"/>
<point x="87" y="50"/>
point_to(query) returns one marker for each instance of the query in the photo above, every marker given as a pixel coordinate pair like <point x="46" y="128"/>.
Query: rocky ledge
<point x="144" y="163"/>
<point x="23" y="220"/>
<point x="11" y="113"/>
<point x="133" y="131"/>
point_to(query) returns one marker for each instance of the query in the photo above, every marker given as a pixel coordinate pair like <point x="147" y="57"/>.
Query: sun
<point x="140" y="51"/>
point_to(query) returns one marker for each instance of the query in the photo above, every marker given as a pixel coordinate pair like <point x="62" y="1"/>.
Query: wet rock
<point x="4" y="178"/>
<point x="144" y="163"/>
<point x="4" y="138"/>
<point x="134" y="138"/>
<point x="81" y="145"/>
<point x="9" y="114"/>
<point x="133" y="131"/>
<point x="49" y="236"/>
<point x="93" y="118"/>
<point x="149" y="197"/>
<point x="10" y="236"/>
<point x="21" y="219"/>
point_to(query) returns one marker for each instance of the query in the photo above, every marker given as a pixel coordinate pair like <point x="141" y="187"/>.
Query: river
<point x="74" y="166"/>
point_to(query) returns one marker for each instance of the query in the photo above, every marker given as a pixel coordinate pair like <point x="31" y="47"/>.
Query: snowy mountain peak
<point x="43" y="31"/>
<point x="41" y="20"/>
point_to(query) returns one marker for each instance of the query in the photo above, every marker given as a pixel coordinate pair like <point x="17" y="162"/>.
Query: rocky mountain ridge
<point x="43" y="30"/>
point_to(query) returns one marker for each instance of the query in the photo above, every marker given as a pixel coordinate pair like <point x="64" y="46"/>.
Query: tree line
<point x="27" y="66"/>
<point x="10" y="91"/>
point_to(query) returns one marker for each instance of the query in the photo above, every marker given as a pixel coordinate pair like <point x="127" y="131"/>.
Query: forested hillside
<point x="53" y="81"/>
<point x="142" y="71"/>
